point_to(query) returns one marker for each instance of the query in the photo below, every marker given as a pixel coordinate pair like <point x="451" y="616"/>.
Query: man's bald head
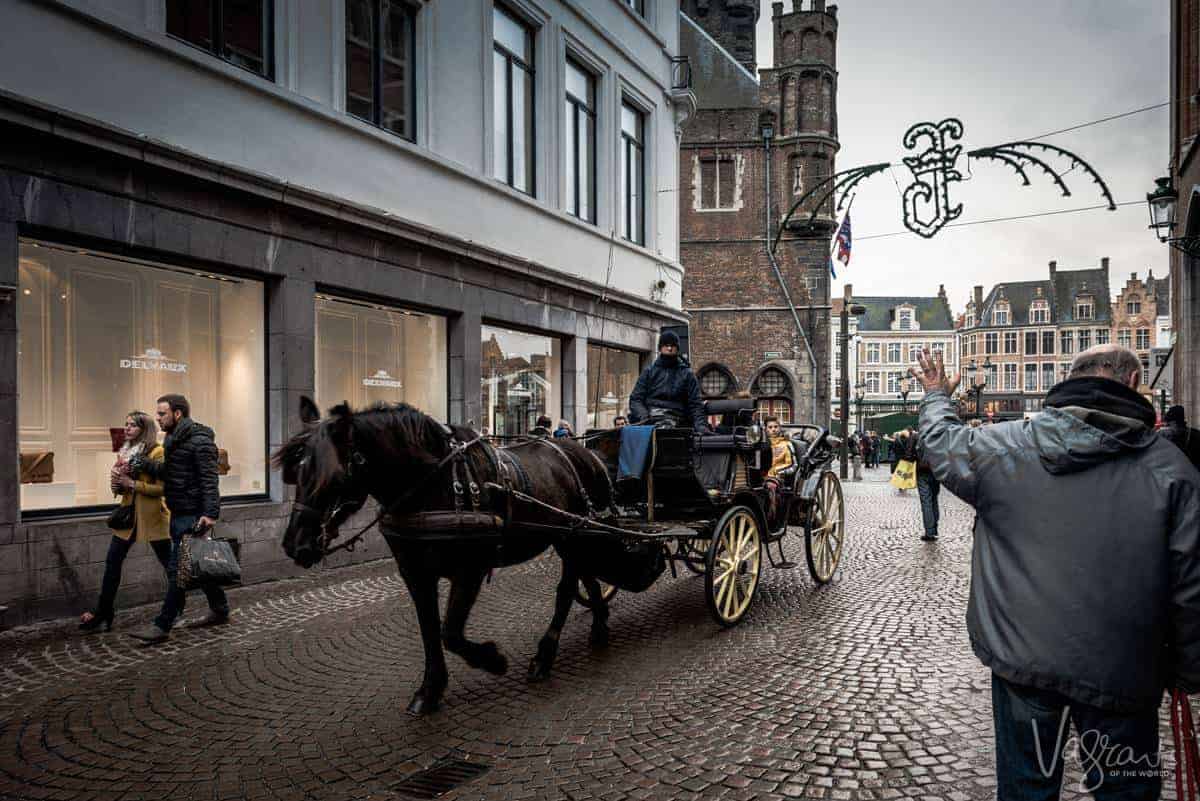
<point x="1109" y="361"/>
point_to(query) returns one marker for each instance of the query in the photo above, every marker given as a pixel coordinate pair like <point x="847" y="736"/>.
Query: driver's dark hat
<point x="668" y="338"/>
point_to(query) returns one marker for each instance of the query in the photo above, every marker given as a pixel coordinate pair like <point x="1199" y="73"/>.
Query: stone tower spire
<point x="730" y="22"/>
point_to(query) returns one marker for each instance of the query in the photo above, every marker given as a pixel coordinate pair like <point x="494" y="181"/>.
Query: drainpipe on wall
<point x="812" y="359"/>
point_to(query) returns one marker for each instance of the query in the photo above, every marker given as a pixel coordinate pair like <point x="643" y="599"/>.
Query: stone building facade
<point x="756" y="325"/>
<point x="1028" y="332"/>
<point x="293" y="204"/>
<point x="1185" y="174"/>
<point x="1142" y="321"/>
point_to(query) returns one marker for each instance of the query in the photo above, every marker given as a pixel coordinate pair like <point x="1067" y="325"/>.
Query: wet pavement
<point x="865" y="688"/>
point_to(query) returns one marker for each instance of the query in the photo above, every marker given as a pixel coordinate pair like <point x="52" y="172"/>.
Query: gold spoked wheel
<point x="825" y="529"/>
<point x="734" y="561"/>
<point x="607" y="591"/>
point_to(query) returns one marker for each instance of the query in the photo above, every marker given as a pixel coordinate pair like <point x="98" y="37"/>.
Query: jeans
<point x="929" y="489"/>
<point x="1118" y="753"/>
<point x="118" y="549"/>
<point x="173" y="604"/>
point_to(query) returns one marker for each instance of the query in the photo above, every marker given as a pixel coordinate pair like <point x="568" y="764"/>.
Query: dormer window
<point x="905" y="319"/>
<point x="1001" y="314"/>
<point x="905" y="316"/>
<point x="970" y="321"/>
<point x="1039" y="312"/>
<point x="1085" y="306"/>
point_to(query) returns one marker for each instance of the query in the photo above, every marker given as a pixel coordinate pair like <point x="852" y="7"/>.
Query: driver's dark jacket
<point x="674" y="387"/>
<point x="1085" y="567"/>
<point x="188" y="471"/>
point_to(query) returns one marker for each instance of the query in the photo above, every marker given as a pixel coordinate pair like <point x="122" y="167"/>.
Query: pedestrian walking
<point x="1177" y="431"/>
<point x="1085" y="585"/>
<point x="855" y="448"/>
<point x="188" y="471"/>
<point x="541" y="428"/>
<point x="928" y="490"/>
<point x="140" y="514"/>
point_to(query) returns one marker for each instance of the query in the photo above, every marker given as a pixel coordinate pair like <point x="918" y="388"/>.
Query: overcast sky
<point x="1011" y="70"/>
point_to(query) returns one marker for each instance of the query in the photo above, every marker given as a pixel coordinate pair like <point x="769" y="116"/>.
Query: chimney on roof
<point x="1104" y="263"/>
<point x="942" y="291"/>
<point x="978" y="301"/>
<point x="1053" y="269"/>
<point x="1133" y="276"/>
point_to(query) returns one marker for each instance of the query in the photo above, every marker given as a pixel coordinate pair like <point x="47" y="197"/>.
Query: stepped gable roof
<point x="718" y="79"/>
<point x="1161" y="288"/>
<point x="1069" y="283"/>
<point x="932" y="313"/>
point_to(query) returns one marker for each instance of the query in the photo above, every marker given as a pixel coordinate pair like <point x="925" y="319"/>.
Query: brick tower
<point x="744" y="333"/>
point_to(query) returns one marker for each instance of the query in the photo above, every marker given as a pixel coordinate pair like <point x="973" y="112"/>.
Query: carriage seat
<point x="733" y="411"/>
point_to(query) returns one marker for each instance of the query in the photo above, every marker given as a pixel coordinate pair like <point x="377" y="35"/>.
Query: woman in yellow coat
<point x="150" y="517"/>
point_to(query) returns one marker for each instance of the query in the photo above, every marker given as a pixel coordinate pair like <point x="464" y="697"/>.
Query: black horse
<point x="427" y="478"/>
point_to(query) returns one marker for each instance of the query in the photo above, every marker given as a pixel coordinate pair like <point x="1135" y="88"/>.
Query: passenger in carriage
<point x="783" y="467"/>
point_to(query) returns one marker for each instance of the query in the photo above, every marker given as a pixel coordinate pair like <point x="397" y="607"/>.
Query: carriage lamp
<point x="1163" y="203"/>
<point x="754" y="434"/>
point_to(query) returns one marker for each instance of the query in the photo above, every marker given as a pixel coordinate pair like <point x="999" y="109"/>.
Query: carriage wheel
<point x="695" y="552"/>
<point x="607" y="591"/>
<point x="825" y="529"/>
<point x="733" y="565"/>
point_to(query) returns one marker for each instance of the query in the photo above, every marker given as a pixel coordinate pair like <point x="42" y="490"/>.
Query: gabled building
<point x="1027" y="332"/>
<point x="884" y="343"/>
<point x="1142" y="321"/>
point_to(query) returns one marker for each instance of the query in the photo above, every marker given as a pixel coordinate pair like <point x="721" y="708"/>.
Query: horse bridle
<point x="330" y="523"/>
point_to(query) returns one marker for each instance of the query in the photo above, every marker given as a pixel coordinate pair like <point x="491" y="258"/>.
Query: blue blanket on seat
<point x="635" y="451"/>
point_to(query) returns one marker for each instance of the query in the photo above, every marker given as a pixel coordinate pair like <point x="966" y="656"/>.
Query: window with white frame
<point x="1085" y="307"/>
<point x="1047" y="343"/>
<point x="579" y="152"/>
<point x="1066" y="343"/>
<point x="1101" y="336"/>
<point x="1143" y="338"/>
<point x="1048" y="380"/>
<point x="633" y="174"/>
<point x="1145" y="372"/>
<point x="1031" y="343"/>
<point x="380" y="40"/>
<point x="1010" y="375"/>
<point x="1000" y="314"/>
<point x="513" y="101"/>
<point x="1039" y="312"/>
<point x="1123" y="337"/>
<point x="1133" y="305"/>
<point x="717" y="182"/>
<point x="991" y="342"/>
<point x="1031" y="378"/>
<point x="1085" y="339"/>
<point x="1010" y="341"/>
<point x="872" y="353"/>
<point x="893" y="353"/>
<point x="893" y="382"/>
<point x="904" y="318"/>
<point x="872" y="382"/>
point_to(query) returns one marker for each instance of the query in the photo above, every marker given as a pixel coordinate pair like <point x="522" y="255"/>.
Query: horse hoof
<point x="420" y="705"/>
<point x="599" y="637"/>
<point x="492" y="660"/>
<point x="538" y="671"/>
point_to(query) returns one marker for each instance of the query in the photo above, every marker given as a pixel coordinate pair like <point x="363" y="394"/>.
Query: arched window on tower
<point x="826" y="111"/>
<point x="810" y="45"/>
<point x="787" y="105"/>
<point x="787" y="48"/>
<point x="810" y="101"/>
<point x="773" y="394"/>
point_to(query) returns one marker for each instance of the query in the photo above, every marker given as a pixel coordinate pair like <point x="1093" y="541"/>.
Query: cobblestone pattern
<point x="863" y="689"/>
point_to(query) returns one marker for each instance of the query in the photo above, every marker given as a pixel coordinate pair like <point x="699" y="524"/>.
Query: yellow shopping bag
<point x="905" y="477"/>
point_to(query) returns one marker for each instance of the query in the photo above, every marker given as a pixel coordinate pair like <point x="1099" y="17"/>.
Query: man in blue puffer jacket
<point x="668" y="385"/>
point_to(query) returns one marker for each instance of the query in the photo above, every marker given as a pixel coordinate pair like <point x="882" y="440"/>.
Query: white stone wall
<point x="112" y="61"/>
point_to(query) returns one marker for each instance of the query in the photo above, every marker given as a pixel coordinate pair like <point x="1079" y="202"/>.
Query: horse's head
<point x="323" y="464"/>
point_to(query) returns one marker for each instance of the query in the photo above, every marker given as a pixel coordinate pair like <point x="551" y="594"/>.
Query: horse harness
<point x="469" y="513"/>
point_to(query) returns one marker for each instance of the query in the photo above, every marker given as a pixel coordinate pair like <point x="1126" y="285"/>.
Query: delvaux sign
<point x="153" y="359"/>
<point x="382" y="378"/>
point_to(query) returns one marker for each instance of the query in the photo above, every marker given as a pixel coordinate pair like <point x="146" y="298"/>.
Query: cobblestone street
<point x="863" y="689"/>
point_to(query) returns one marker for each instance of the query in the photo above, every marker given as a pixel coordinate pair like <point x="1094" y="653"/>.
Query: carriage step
<point x="784" y="565"/>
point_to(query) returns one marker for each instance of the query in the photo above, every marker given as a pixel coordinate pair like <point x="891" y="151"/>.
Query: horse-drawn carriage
<point x="451" y="505"/>
<point x="704" y="498"/>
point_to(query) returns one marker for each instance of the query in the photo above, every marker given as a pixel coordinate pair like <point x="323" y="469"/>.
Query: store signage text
<point x="383" y="379"/>
<point x="153" y="359"/>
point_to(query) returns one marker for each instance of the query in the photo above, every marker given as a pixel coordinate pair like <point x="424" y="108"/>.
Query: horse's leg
<point x="599" y="637"/>
<point x="564" y="596"/>
<point x="422" y="585"/>
<point x="464" y="589"/>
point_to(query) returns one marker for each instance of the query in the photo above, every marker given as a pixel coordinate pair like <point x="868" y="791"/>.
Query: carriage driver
<point x="669" y="388"/>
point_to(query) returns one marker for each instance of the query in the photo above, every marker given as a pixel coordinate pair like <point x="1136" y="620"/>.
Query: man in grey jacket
<point x="1085" y="573"/>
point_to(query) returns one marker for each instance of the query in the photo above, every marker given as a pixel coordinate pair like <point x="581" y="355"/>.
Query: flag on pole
<point x="842" y="241"/>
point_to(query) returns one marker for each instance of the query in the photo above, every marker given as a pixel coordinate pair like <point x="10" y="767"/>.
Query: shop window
<point x="101" y="336"/>
<point x="237" y="31"/>
<point x="380" y="46"/>
<point x="520" y="378"/>
<point x="367" y="353"/>
<point x="612" y="374"/>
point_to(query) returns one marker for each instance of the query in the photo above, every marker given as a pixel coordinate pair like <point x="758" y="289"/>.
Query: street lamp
<point x="848" y="308"/>
<point x="1163" y="203"/>
<point x="859" y="394"/>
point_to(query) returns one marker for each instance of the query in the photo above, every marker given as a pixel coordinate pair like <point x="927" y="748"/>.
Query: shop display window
<point x="521" y="379"/>
<point x="367" y="353"/>
<point x="612" y="374"/>
<point x="102" y="335"/>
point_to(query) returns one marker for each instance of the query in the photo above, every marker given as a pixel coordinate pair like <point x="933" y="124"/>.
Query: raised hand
<point x="932" y="373"/>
